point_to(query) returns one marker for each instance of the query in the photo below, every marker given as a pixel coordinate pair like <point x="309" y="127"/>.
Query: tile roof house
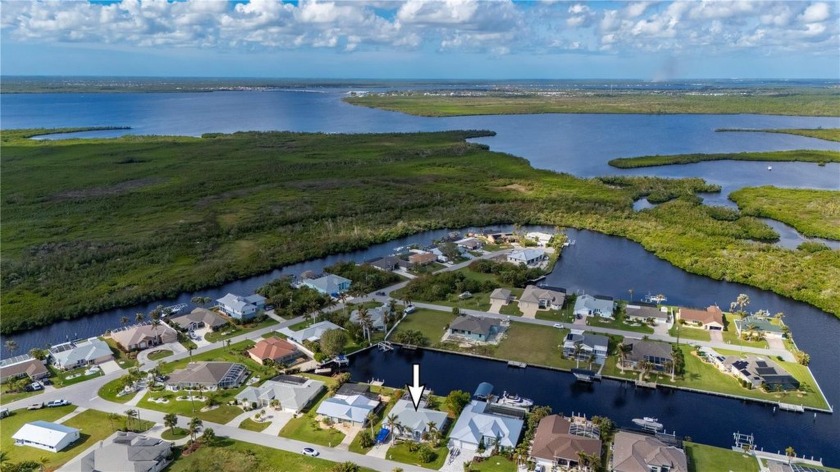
<point x="711" y="318"/>
<point x="469" y="243"/>
<point x="422" y="258"/>
<point x="377" y="317"/>
<point x="591" y="345"/>
<point x="475" y="328"/>
<point x="534" y="298"/>
<point x="632" y="452"/>
<point x="44" y="435"/>
<point x="128" y="452"/>
<point x="78" y="353"/>
<point x="760" y="324"/>
<point x="480" y="424"/>
<point x="242" y="308"/>
<point x="23" y="366"/>
<point x="144" y="336"/>
<point x="294" y="393"/>
<point x="351" y="404"/>
<point x="278" y="350"/>
<point x="198" y="318"/>
<point x="413" y="424"/>
<point x="657" y="353"/>
<point x="557" y="441"/>
<point x="643" y="312"/>
<point x="310" y="333"/>
<point x="208" y="375"/>
<point x="760" y="372"/>
<point x="528" y="257"/>
<point x="329" y="284"/>
<point x="588" y="305"/>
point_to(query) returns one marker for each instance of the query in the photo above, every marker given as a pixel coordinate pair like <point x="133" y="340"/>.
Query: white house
<point x="44" y="435"/>
<point x="529" y="257"/>
<point x="414" y="423"/>
<point x="541" y="238"/>
<point x="75" y="354"/>
<point x="329" y="284"/>
<point x="351" y="404"/>
<point x="294" y="393"/>
<point x="587" y="305"/>
<point x="310" y="333"/>
<point x="128" y="451"/>
<point x="583" y="346"/>
<point x="242" y="308"/>
<point x="480" y="424"/>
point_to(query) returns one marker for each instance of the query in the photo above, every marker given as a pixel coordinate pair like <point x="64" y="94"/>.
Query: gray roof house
<point x="198" y="318"/>
<point x="479" y="423"/>
<point x="528" y="257"/>
<point x="656" y="352"/>
<point x="534" y="298"/>
<point x="413" y="424"/>
<point x="351" y="404"/>
<point x="329" y="284"/>
<point x="78" y="353"/>
<point x="633" y="452"/>
<point x="311" y="333"/>
<point x="758" y="372"/>
<point x="208" y="374"/>
<point x="242" y="308"/>
<point x="294" y="393"/>
<point x="590" y="344"/>
<point x="22" y="365"/>
<point x="475" y="328"/>
<point x="128" y="452"/>
<point x="643" y="312"/>
<point x="501" y="294"/>
<point x="377" y="316"/>
<point x="586" y="305"/>
<point x="387" y="263"/>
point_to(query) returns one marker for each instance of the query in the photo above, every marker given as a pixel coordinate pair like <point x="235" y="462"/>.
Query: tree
<point x="333" y="341"/>
<point x="393" y="424"/>
<point x="578" y="349"/>
<point x="203" y="301"/>
<point x="345" y="467"/>
<point x="39" y="354"/>
<point x="790" y="452"/>
<point x="741" y="302"/>
<point x="365" y="321"/>
<point x="426" y="454"/>
<point x="124" y="320"/>
<point x="450" y="251"/>
<point x="112" y="419"/>
<point x="209" y="437"/>
<point x="170" y="420"/>
<point x="365" y="439"/>
<point x="130" y="415"/>
<point x="139" y="317"/>
<point x="623" y="350"/>
<point x="11" y="346"/>
<point x="432" y="430"/>
<point x="456" y="401"/>
<point x="194" y="426"/>
<point x="669" y="367"/>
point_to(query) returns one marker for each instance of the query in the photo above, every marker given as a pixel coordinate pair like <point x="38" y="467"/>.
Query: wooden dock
<point x="521" y="365"/>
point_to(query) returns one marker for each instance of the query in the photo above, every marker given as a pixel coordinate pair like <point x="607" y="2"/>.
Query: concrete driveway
<point x="109" y="367"/>
<point x="496" y="306"/>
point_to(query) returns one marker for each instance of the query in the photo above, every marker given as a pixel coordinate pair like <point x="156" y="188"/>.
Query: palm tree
<point x="371" y="419"/>
<point x="365" y="321"/>
<point x="669" y="366"/>
<point x="129" y="416"/>
<point x="578" y="350"/>
<point x="790" y="453"/>
<point x="112" y="418"/>
<point x="194" y="426"/>
<point x="343" y="298"/>
<point x="4" y="457"/>
<point x="741" y="302"/>
<point x="170" y="420"/>
<point x="139" y="317"/>
<point x="42" y="462"/>
<point x="431" y="427"/>
<point x="201" y="300"/>
<point x="124" y="320"/>
<point x="393" y="423"/>
<point x="623" y="350"/>
<point x="11" y="346"/>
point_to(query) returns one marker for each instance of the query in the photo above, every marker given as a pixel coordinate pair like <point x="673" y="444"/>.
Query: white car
<point x="55" y="403"/>
<point x="558" y="325"/>
<point x="308" y="451"/>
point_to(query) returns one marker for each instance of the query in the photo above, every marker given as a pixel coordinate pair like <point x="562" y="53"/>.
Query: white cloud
<point x="816" y="13"/>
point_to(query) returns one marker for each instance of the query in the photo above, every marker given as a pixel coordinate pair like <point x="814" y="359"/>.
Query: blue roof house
<point x="242" y="308"/>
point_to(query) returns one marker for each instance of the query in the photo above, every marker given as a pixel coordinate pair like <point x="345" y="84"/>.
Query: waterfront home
<point x="758" y="324"/>
<point x="311" y="333"/>
<point x="414" y="424"/>
<point x="422" y="258"/>
<point x="386" y="264"/>
<point x="657" y="354"/>
<point x="127" y="451"/>
<point x="144" y="336"/>
<point x="541" y="238"/>
<point x="501" y="295"/>
<point x="293" y="392"/>
<point x="242" y="308"/>
<point x="498" y="238"/>
<point x="633" y="452"/>
<point x="44" y="435"/>
<point x="483" y="391"/>
<point x="275" y="349"/>
<point x="558" y="441"/>
<point x="351" y="404"/>
<point x="582" y="346"/>
<point x="78" y="353"/>
<point x="711" y="318"/>
<point x="470" y="244"/>
<point x="485" y="424"/>
<point x="598" y="305"/>
<point x="208" y="375"/>
<point x="529" y="257"/>
<point x="758" y="372"/>
<point x="23" y="365"/>
<point x="329" y="284"/>
<point x="475" y="328"/>
<point x="644" y="313"/>
<point x="541" y="298"/>
<point x="377" y="317"/>
<point x="199" y="318"/>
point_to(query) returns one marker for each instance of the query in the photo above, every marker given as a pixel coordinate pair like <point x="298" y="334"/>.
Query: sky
<point x="419" y="39"/>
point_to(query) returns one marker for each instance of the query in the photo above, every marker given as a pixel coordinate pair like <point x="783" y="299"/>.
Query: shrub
<point x="365" y="439"/>
<point x="426" y="454"/>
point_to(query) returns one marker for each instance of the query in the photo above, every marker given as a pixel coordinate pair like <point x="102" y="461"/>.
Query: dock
<point x="642" y="383"/>
<point x="385" y="346"/>
<point x="585" y="375"/>
<point x="323" y="370"/>
<point x="791" y="407"/>
<point x="521" y="365"/>
<point x="410" y="347"/>
<point x="377" y="382"/>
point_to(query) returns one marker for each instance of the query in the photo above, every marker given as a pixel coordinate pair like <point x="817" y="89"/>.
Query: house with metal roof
<point x="310" y="333"/>
<point x="242" y="308"/>
<point x="208" y="375"/>
<point x="643" y="313"/>
<point x="658" y="354"/>
<point x="23" y="365"/>
<point x="377" y="317"/>
<point x="529" y="257"/>
<point x="479" y="424"/>
<point x="128" y="452"/>
<point x="293" y="392"/>
<point x="588" y="305"/>
<point x="583" y="346"/>
<point x="199" y="318"/>
<point x="351" y="404"/>
<point x="329" y="284"/>
<point x="79" y="353"/>
<point x="760" y="324"/>
<point x="559" y="440"/>
<point x="633" y="452"/>
<point x="44" y="435"/>
<point x="413" y="424"/>
<point x="475" y="328"/>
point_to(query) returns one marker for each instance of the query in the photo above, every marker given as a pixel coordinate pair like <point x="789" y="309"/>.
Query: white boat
<point x="660" y="298"/>
<point x="769" y="167"/>
<point x="514" y="400"/>
<point x="651" y="424"/>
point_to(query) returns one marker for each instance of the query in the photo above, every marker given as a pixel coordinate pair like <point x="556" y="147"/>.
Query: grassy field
<point x="6" y="397"/>
<point x="400" y="453"/>
<point x="617" y="324"/>
<point x="702" y="458"/>
<point x="429" y="322"/>
<point x="119" y="224"/>
<point x="232" y="331"/>
<point x="795" y="102"/>
<point x="534" y="344"/>
<point x="159" y="354"/>
<point x="174" y="433"/>
<point x="252" y="425"/>
<point x="773" y="156"/>
<point x="689" y="333"/>
<point x="494" y="464"/>
<point x="110" y="390"/>
<point x="304" y="427"/>
<point x="828" y="134"/>
<point x="811" y="212"/>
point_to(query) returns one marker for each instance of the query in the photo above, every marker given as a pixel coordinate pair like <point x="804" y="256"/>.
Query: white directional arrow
<point x="416" y="390"/>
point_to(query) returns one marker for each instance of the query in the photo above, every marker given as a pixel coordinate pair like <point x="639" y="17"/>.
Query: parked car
<point x="410" y="309"/>
<point x="308" y="451"/>
<point x="36" y="386"/>
<point x="35" y="406"/>
<point x="46" y="382"/>
<point x="55" y="403"/>
<point x="558" y="326"/>
<point x="381" y="294"/>
<point x="4" y="412"/>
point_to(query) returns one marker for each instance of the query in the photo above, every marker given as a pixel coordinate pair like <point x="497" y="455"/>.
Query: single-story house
<point x="207" y="375"/>
<point x="293" y="392"/>
<point x="140" y="337"/>
<point x="413" y="424"/>
<point x="470" y="244"/>
<point x="541" y="238"/>
<point x="535" y="298"/>
<point x="278" y="350"/>
<point x="377" y="317"/>
<point x="529" y="257"/>
<point x="310" y="333"/>
<point x="656" y="352"/>
<point x="480" y="423"/>
<point x="597" y="305"/>
<point x="78" y="353"/>
<point x="242" y="308"/>
<point x="351" y="404"/>
<point x="422" y="258"/>
<point x="386" y="264"/>
<point x="23" y="365"/>
<point x="633" y="452"/>
<point x="44" y="435"/>
<point x="475" y="328"/>
<point x="199" y="318"/>
<point x="498" y="238"/>
<point x="501" y="294"/>
<point x="329" y="284"/>
<point x="642" y="313"/>
<point x="760" y="372"/>
<point x="591" y="346"/>
<point x="760" y="324"/>
<point x="127" y="451"/>
<point x="711" y="318"/>
<point x="557" y="441"/>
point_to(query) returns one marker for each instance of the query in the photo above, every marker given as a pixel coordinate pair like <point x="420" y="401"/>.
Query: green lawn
<point x="6" y="397"/>
<point x="617" y="324"/>
<point x="702" y="458"/>
<point x="110" y="390"/>
<point x="174" y="433"/>
<point x="221" y="414"/>
<point x="355" y="445"/>
<point x="236" y="330"/>
<point x="304" y="427"/>
<point x="160" y="354"/>
<point x="730" y="334"/>
<point x="511" y="309"/>
<point x="534" y="344"/>
<point x="478" y="301"/>
<point x="429" y="322"/>
<point x="63" y="378"/>
<point x="563" y="316"/>
<point x="494" y="464"/>
<point x="400" y="453"/>
<point x="125" y="360"/>
<point x="697" y="334"/>
<point x="252" y="425"/>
